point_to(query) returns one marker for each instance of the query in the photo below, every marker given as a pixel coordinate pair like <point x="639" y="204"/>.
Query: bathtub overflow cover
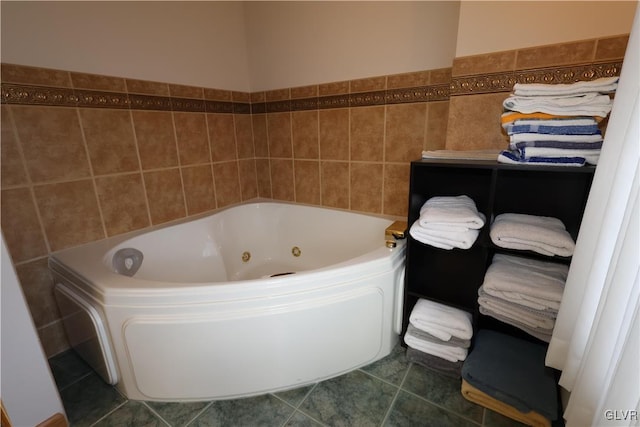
<point x="296" y="251"/>
<point x="246" y="256"/>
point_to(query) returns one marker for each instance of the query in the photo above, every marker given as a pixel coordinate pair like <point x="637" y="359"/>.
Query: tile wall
<point x="86" y="157"/>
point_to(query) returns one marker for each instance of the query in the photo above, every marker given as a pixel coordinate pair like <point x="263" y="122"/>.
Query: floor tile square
<point x="131" y="414"/>
<point x="89" y="399"/>
<point x="442" y="390"/>
<point x="178" y="414"/>
<point x="264" y="410"/>
<point x="353" y="399"/>
<point x="410" y="411"/>
<point x="67" y="368"/>
<point x="391" y="368"/>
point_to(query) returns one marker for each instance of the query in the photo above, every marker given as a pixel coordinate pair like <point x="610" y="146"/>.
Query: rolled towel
<point x="441" y="321"/>
<point x="444" y="239"/>
<point x="452" y="354"/>
<point x="514" y="157"/>
<point x="435" y="363"/>
<point x="541" y="234"/>
<point x="512" y="370"/>
<point x="530" y="418"/>
<point x="426" y="336"/>
<point x="601" y="85"/>
<point x="451" y="213"/>
<point x="590" y="104"/>
<point x="532" y="283"/>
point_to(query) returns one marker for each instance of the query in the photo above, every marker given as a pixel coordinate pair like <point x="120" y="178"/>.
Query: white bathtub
<point x="199" y="321"/>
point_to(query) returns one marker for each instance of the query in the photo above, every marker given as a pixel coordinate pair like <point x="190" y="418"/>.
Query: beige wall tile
<point x="248" y="179"/>
<point x="487" y="63"/>
<point x="418" y="78"/>
<point x="334" y="134"/>
<point x="12" y="168"/>
<point x="164" y="193"/>
<point x="304" y="92"/>
<point x="69" y="213"/>
<point x="260" y="140"/>
<point x="37" y="285"/>
<point x="227" y="183"/>
<point x="52" y="143"/>
<point x="437" y="117"/>
<point x="12" y="73"/>
<point x="366" y="187"/>
<point x="367" y="133"/>
<point x="263" y="175"/>
<point x="396" y="189"/>
<point x="611" y="48"/>
<point x="304" y="128"/>
<point x="244" y="97"/>
<point x="559" y="54"/>
<point x="156" y="140"/>
<point x="53" y="339"/>
<point x="21" y="226"/>
<point x="333" y="88"/>
<point x="183" y="91"/>
<point x="334" y="179"/>
<point x="307" y="177"/>
<point x="222" y="137"/>
<point x="368" y="84"/>
<point x="123" y="204"/>
<point x="277" y="95"/>
<point x="440" y="76"/>
<point x="474" y="122"/>
<point x="279" y="133"/>
<point x="192" y="137"/>
<point x="405" y="132"/>
<point x="198" y="189"/>
<point x="282" y="179"/>
<point x="217" y="94"/>
<point x="98" y="82"/>
<point x="147" y="87"/>
<point x="110" y="140"/>
<point x="244" y="136"/>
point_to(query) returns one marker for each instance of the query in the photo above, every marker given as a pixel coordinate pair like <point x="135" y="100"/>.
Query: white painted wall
<point x="492" y="26"/>
<point x="192" y="43"/>
<point x="300" y="43"/>
<point x="27" y="388"/>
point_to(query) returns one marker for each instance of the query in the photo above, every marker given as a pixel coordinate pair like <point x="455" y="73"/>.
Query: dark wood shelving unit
<point x="453" y="276"/>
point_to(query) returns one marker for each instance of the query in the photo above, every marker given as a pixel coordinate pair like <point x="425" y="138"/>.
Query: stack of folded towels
<point x="448" y="222"/>
<point x="438" y="336"/>
<point x="508" y="376"/>
<point x="556" y="124"/>
<point x="542" y="234"/>
<point x="524" y="293"/>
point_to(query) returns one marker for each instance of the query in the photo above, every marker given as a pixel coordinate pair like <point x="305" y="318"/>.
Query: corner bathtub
<point x="253" y="299"/>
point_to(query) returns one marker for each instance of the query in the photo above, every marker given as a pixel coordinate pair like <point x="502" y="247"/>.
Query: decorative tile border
<point x="465" y="85"/>
<point x="503" y="82"/>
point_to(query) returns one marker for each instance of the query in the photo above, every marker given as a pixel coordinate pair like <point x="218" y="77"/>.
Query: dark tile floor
<point x="389" y="392"/>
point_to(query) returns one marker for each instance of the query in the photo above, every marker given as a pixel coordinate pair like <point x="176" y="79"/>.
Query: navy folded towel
<point x="512" y="370"/>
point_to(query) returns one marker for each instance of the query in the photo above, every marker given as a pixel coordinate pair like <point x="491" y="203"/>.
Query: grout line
<point x="153" y="411"/>
<point x="177" y="147"/>
<point x="207" y="406"/>
<point x="109" y="413"/>
<point x="140" y="171"/>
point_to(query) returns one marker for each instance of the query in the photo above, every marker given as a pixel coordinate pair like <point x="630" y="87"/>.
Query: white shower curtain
<point x="596" y="341"/>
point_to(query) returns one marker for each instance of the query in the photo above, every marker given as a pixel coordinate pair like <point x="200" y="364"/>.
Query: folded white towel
<point x="541" y="334"/>
<point x="441" y="321"/>
<point x="426" y="336"/>
<point x="601" y="85"/>
<point x="510" y="311"/>
<point x="444" y="239"/>
<point x="545" y="235"/>
<point x="451" y="213"/>
<point x="590" y="104"/>
<point x="452" y="354"/>
<point x="528" y="282"/>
